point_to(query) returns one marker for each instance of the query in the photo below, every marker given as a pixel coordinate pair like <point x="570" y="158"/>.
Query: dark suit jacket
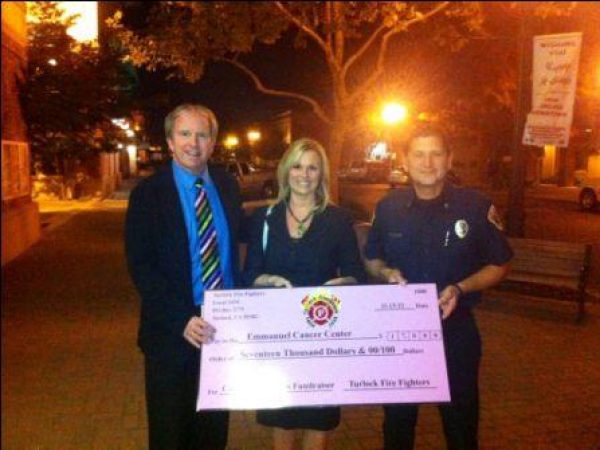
<point x="157" y="250"/>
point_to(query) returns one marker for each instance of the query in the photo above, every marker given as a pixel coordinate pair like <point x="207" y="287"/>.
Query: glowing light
<point x="378" y="151"/>
<point x="594" y="166"/>
<point x="393" y="113"/>
<point x="123" y="124"/>
<point x="253" y="136"/>
<point x="129" y="133"/>
<point x="85" y="28"/>
<point x="52" y="62"/>
<point x="231" y="141"/>
<point x="132" y="153"/>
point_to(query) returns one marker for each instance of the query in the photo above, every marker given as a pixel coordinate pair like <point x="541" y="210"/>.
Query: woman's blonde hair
<point x="291" y="157"/>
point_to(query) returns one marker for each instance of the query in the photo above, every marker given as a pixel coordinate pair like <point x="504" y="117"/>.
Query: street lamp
<point x="230" y="143"/>
<point x="85" y="25"/>
<point x="393" y="113"/>
<point x="253" y="136"/>
<point x="85" y="28"/>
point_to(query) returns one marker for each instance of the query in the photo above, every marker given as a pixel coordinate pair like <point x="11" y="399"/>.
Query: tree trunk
<point x="336" y="141"/>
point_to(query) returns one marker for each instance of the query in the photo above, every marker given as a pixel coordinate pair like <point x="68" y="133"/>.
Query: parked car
<point x="253" y="182"/>
<point x="589" y="195"/>
<point x="377" y="171"/>
<point x="398" y="176"/>
<point x="365" y="172"/>
<point x="356" y="171"/>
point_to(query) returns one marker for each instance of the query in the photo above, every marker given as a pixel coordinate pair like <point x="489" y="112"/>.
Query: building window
<point x="15" y="170"/>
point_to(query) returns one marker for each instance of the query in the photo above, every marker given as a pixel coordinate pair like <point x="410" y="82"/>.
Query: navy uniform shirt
<point x="442" y="241"/>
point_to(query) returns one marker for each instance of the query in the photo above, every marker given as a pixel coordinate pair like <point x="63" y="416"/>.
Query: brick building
<point x="20" y="214"/>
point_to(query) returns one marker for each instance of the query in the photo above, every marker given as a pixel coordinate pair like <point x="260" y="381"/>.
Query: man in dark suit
<point x="167" y="260"/>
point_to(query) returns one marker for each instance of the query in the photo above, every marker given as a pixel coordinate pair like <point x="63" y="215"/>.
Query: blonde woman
<point x="303" y="240"/>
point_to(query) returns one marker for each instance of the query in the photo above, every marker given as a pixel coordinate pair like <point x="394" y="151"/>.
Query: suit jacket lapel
<point x="175" y="229"/>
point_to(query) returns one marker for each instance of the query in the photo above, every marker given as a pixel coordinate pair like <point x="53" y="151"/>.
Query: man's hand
<point x="198" y="332"/>
<point x="448" y="300"/>
<point x="392" y="275"/>
<point x="378" y="269"/>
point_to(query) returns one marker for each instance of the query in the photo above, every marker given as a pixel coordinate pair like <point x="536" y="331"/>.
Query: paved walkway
<point x="72" y="375"/>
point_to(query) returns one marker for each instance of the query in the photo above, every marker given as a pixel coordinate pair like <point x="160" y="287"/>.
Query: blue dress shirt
<point x="185" y="182"/>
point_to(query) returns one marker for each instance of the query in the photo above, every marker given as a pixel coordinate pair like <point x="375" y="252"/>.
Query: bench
<point x="542" y="268"/>
<point x="550" y="269"/>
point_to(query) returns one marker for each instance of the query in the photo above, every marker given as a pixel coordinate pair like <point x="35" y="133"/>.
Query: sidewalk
<point x="72" y="374"/>
<point x="125" y="188"/>
<point x="55" y="212"/>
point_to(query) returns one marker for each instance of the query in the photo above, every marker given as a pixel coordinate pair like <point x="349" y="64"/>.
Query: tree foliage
<point x="348" y="43"/>
<point x="354" y="55"/>
<point x="69" y="93"/>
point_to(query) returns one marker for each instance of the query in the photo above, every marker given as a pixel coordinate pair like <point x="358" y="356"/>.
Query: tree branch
<point x="334" y="67"/>
<point x="361" y="50"/>
<point x="384" y="43"/>
<point x="318" y="110"/>
<point x="305" y="28"/>
<point x="328" y="22"/>
<point x="339" y="38"/>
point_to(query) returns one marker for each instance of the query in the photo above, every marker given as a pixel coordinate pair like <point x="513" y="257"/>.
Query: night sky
<point x="225" y="89"/>
<point x="236" y="102"/>
<point x="230" y="93"/>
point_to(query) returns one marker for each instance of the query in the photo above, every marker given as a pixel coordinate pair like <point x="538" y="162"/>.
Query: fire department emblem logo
<point x="321" y="308"/>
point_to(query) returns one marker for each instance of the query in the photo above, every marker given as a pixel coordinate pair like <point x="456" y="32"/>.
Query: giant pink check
<point x="341" y="345"/>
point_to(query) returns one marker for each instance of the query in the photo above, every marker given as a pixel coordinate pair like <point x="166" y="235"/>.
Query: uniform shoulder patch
<point x="495" y="218"/>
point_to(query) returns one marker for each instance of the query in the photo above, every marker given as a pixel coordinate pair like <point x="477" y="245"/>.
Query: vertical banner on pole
<point x="555" y="65"/>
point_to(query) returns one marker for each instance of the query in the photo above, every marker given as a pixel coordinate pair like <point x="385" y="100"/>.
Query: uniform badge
<point x="461" y="228"/>
<point x="495" y="218"/>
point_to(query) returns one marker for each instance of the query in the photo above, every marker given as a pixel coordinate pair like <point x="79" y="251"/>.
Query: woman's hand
<point x="340" y="281"/>
<point x="271" y="280"/>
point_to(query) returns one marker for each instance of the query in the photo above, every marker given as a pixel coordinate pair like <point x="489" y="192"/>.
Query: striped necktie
<point x="212" y="277"/>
